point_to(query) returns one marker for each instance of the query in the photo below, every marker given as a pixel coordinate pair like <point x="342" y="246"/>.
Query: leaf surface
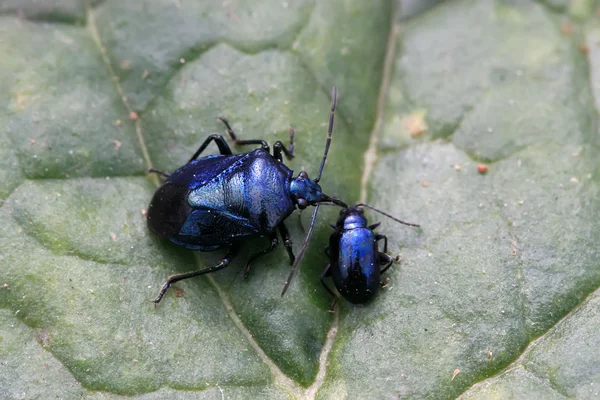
<point x="495" y="296"/>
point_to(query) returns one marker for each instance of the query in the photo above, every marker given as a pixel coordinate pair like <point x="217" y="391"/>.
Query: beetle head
<point x="351" y="217"/>
<point x="305" y="191"/>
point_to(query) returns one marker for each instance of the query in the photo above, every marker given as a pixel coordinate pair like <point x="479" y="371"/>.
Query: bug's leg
<point x="374" y="226"/>
<point x="387" y="260"/>
<point x="263" y="144"/>
<point x="274" y="243"/>
<point x="233" y="251"/>
<point x="327" y="252"/>
<point x="287" y="241"/>
<point x="157" y="171"/>
<point x="384" y="257"/>
<point x="219" y="141"/>
<point x="325" y="274"/>
<point x="385" y="242"/>
<point x="278" y="148"/>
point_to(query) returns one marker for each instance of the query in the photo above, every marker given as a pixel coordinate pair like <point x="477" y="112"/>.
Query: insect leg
<point x="287" y="241"/>
<point x="278" y="148"/>
<point x="385" y="258"/>
<point x="385" y="242"/>
<point x="374" y="226"/>
<point x="274" y="243"/>
<point x="237" y="142"/>
<point x="219" y="141"/>
<point x="233" y="251"/>
<point x="157" y="171"/>
<point x="325" y="274"/>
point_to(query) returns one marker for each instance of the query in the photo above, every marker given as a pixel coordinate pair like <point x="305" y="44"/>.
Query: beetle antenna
<point x="332" y="200"/>
<point x="329" y="203"/>
<point x="325" y="199"/>
<point x="301" y="253"/>
<point x="387" y="215"/>
<point x="329" y="131"/>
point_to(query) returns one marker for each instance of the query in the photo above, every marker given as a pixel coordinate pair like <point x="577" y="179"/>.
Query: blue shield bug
<point x="220" y="200"/>
<point x="355" y="262"/>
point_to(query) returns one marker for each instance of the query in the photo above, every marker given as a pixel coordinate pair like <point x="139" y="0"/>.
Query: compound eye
<point x="303" y="175"/>
<point x="302" y="204"/>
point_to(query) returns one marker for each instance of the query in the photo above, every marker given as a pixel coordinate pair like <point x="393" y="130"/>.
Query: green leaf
<point x="495" y="296"/>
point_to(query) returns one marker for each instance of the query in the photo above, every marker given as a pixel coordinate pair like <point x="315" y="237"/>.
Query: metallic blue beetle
<point x="218" y="201"/>
<point x="355" y="262"/>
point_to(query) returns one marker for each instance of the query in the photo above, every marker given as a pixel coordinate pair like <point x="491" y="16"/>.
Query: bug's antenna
<point x="329" y="131"/>
<point x="301" y="253"/>
<point x="387" y="215"/>
<point x="324" y="198"/>
<point x="332" y="201"/>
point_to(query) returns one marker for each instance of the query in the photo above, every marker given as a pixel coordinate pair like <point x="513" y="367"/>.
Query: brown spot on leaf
<point x="566" y="28"/>
<point x="456" y="372"/>
<point x="415" y="124"/>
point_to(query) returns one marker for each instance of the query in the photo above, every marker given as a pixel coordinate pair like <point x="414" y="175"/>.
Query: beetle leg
<point x="327" y="252"/>
<point x="263" y="144"/>
<point x="386" y="259"/>
<point x="278" y="148"/>
<point x="157" y="171"/>
<point x="274" y="243"/>
<point x="374" y="226"/>
<point x="378" y="238"/>
<point x="287" y="241"/>
<point x="233" y="251"/>
<point x="219" y="141"/>
<point x="324" y="275"/>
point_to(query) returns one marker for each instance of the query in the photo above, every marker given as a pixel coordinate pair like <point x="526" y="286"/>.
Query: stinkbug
<point x="220" y="200"/>
<point x="355" y="262"/>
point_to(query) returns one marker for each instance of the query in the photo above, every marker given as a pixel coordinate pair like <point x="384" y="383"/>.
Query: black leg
<point x="219" y="141"/>
<point x="233" y="251"/>
<point x="156" y="171"/>
<point x="237" y="142"/>
<point x="278" y="148"/>
<point x="374" y="226"/>
<point x="384" y="258"/>
<point x="274" y="243"/>
<point x="378" y="238"/>
<point x="287" y="242"/>
<point x="325" y="274"/>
